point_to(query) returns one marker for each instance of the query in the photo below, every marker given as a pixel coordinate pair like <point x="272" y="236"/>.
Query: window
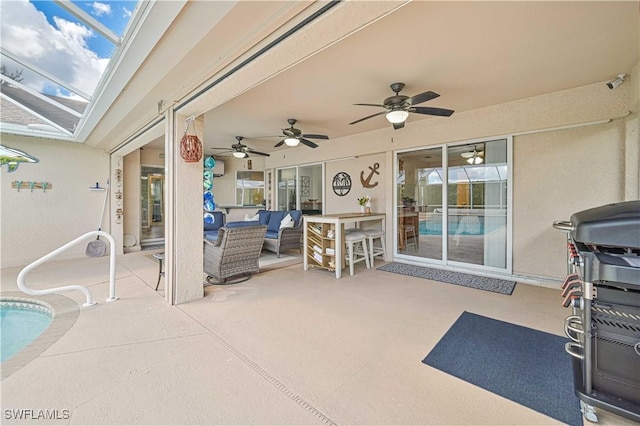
<point x="249" y="188"/>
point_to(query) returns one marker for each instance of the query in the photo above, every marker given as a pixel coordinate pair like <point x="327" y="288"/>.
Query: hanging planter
<point x="190" y="145"/>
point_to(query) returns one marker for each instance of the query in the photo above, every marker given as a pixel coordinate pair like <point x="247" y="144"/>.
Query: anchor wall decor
<point x="366" y="183"/>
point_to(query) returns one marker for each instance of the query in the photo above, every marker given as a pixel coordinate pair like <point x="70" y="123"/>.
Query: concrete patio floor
<point x="286" y="347"/>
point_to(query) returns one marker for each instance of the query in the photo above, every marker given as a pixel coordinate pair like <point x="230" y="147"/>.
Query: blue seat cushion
<point x="242" y="224"/>
<point x="274" y="220"/>
<point x="211" y="235"/>
<point x="271" y="235"/>
<point x="296" y="215"/>
<point x="264" y="216"/>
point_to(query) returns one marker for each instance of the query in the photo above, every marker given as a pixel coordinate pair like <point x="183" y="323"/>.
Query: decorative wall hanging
<point x="31" y="185"/>
<point x="12" y="158"/>
<point x="190" y="145"/>
<point x="366" y="183"/>
<point x="305" y="186"/>
<point x="208" y="201"/>
<point x="341" y="184"/>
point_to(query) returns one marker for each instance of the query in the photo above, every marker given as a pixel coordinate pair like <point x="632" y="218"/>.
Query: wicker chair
<point x="235" y="252"/>
<point x="279" y="240"/>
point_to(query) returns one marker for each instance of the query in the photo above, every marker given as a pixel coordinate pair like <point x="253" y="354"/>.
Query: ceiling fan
<point x="293" y="136"/>
<point x="398" y="107"/>
<point x="240" y="150"/>
<point x="473" y="157"/>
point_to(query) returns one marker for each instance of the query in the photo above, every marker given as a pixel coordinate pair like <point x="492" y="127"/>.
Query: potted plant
<point x="365" y="204"/>
<point x="408" y="201"/>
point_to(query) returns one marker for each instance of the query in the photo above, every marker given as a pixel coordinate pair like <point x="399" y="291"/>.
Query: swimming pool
<point x="435" y="228"/>
<point x="20" y="324"/>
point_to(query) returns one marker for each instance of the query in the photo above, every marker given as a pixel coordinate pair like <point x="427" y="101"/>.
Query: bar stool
<point x="160" y="257"/>
<point x="373" y="234"/>
<point x="355" y="254"/>
<point x="410" y="232"/>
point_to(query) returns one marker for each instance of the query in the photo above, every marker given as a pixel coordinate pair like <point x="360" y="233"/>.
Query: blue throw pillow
<point x="218" y="221"/>
<point x="296" y="215"/>
<point x="275" y="219"/>
<point x="264" y="216"/>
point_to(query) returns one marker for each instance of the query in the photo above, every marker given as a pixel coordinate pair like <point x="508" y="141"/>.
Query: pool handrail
<point x="89" y="297"/>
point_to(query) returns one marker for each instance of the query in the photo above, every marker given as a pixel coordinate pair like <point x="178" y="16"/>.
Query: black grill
<point x="603" y="291"/>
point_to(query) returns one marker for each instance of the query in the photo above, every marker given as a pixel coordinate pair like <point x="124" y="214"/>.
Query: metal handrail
<point x="90" y="302"/>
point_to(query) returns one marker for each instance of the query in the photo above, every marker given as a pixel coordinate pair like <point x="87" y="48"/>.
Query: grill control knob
<point x="575" y="293"/>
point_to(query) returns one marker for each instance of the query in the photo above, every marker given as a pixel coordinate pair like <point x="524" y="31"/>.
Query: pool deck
<point x="286" y="347"/>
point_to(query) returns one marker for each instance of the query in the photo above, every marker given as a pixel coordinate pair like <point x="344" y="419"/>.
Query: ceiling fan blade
<point x="432" y="111"/>
<point x="423" y="97"/>
<point x="308" y="143"/>
<point x="251" y="151"/>
<point x="376" y="105"/>
<point x="279" y="143"/>
<point x="397" y="126"/>
<point x="370" y="116"/>
<point x="316" y="136"/>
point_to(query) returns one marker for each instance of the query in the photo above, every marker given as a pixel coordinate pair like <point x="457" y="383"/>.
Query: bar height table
<point x="338" y="221"/>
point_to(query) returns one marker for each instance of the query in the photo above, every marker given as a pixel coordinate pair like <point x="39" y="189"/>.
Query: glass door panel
<point x="286" y="184"/>
<point x="477" y="203"/>
<point x="310" y="193"/>
<point x="152" y="204"/>
<point x="419" y="203"/>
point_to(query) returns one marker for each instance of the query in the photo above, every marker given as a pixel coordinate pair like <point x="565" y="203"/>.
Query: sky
<point x="54" y="40"/>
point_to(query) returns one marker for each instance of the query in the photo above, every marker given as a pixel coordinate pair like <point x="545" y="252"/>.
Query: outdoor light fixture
<point x="292" y="141"/>
<point x="397" y="116"/>
<point x="239" y="154"/>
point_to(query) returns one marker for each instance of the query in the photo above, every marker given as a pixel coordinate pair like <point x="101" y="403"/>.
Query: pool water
<point x="435" y="228"/>
<point x="20" y="324"/>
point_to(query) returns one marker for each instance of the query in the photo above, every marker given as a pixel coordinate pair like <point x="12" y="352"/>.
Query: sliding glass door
<point x="473" y="179"/>
<point x="419" y="203"/>
<point x="286" y="184"/>
<point x="300" y="187"/>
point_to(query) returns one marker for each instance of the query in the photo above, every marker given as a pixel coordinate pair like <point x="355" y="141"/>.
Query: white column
<point x="183" y="239"/>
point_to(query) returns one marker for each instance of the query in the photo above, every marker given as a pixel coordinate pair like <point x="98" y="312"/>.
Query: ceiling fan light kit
<point x="292" y="141"/>
<point x="473" y="157"/>
<point x="398" y="116"/>
<point x="239" y="154"/>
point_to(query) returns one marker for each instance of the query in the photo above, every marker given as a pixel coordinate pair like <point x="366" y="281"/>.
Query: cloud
<point x="60" y="49"/>
<point x="100" y="9"/>
<point x="126" y="13"/>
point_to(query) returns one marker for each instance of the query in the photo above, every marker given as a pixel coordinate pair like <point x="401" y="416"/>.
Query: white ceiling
<point x="474" y="54"/>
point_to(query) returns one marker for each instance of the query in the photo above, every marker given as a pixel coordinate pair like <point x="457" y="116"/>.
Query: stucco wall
<point x="556" y="174"/>
<point x="35" y="223"/>
<point x="354" y="167"/>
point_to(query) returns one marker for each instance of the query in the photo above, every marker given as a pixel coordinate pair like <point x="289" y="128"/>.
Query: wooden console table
<point x="316" y="232"/>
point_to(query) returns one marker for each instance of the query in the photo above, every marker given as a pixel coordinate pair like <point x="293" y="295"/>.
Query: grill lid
<point x="613" y="225"/>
